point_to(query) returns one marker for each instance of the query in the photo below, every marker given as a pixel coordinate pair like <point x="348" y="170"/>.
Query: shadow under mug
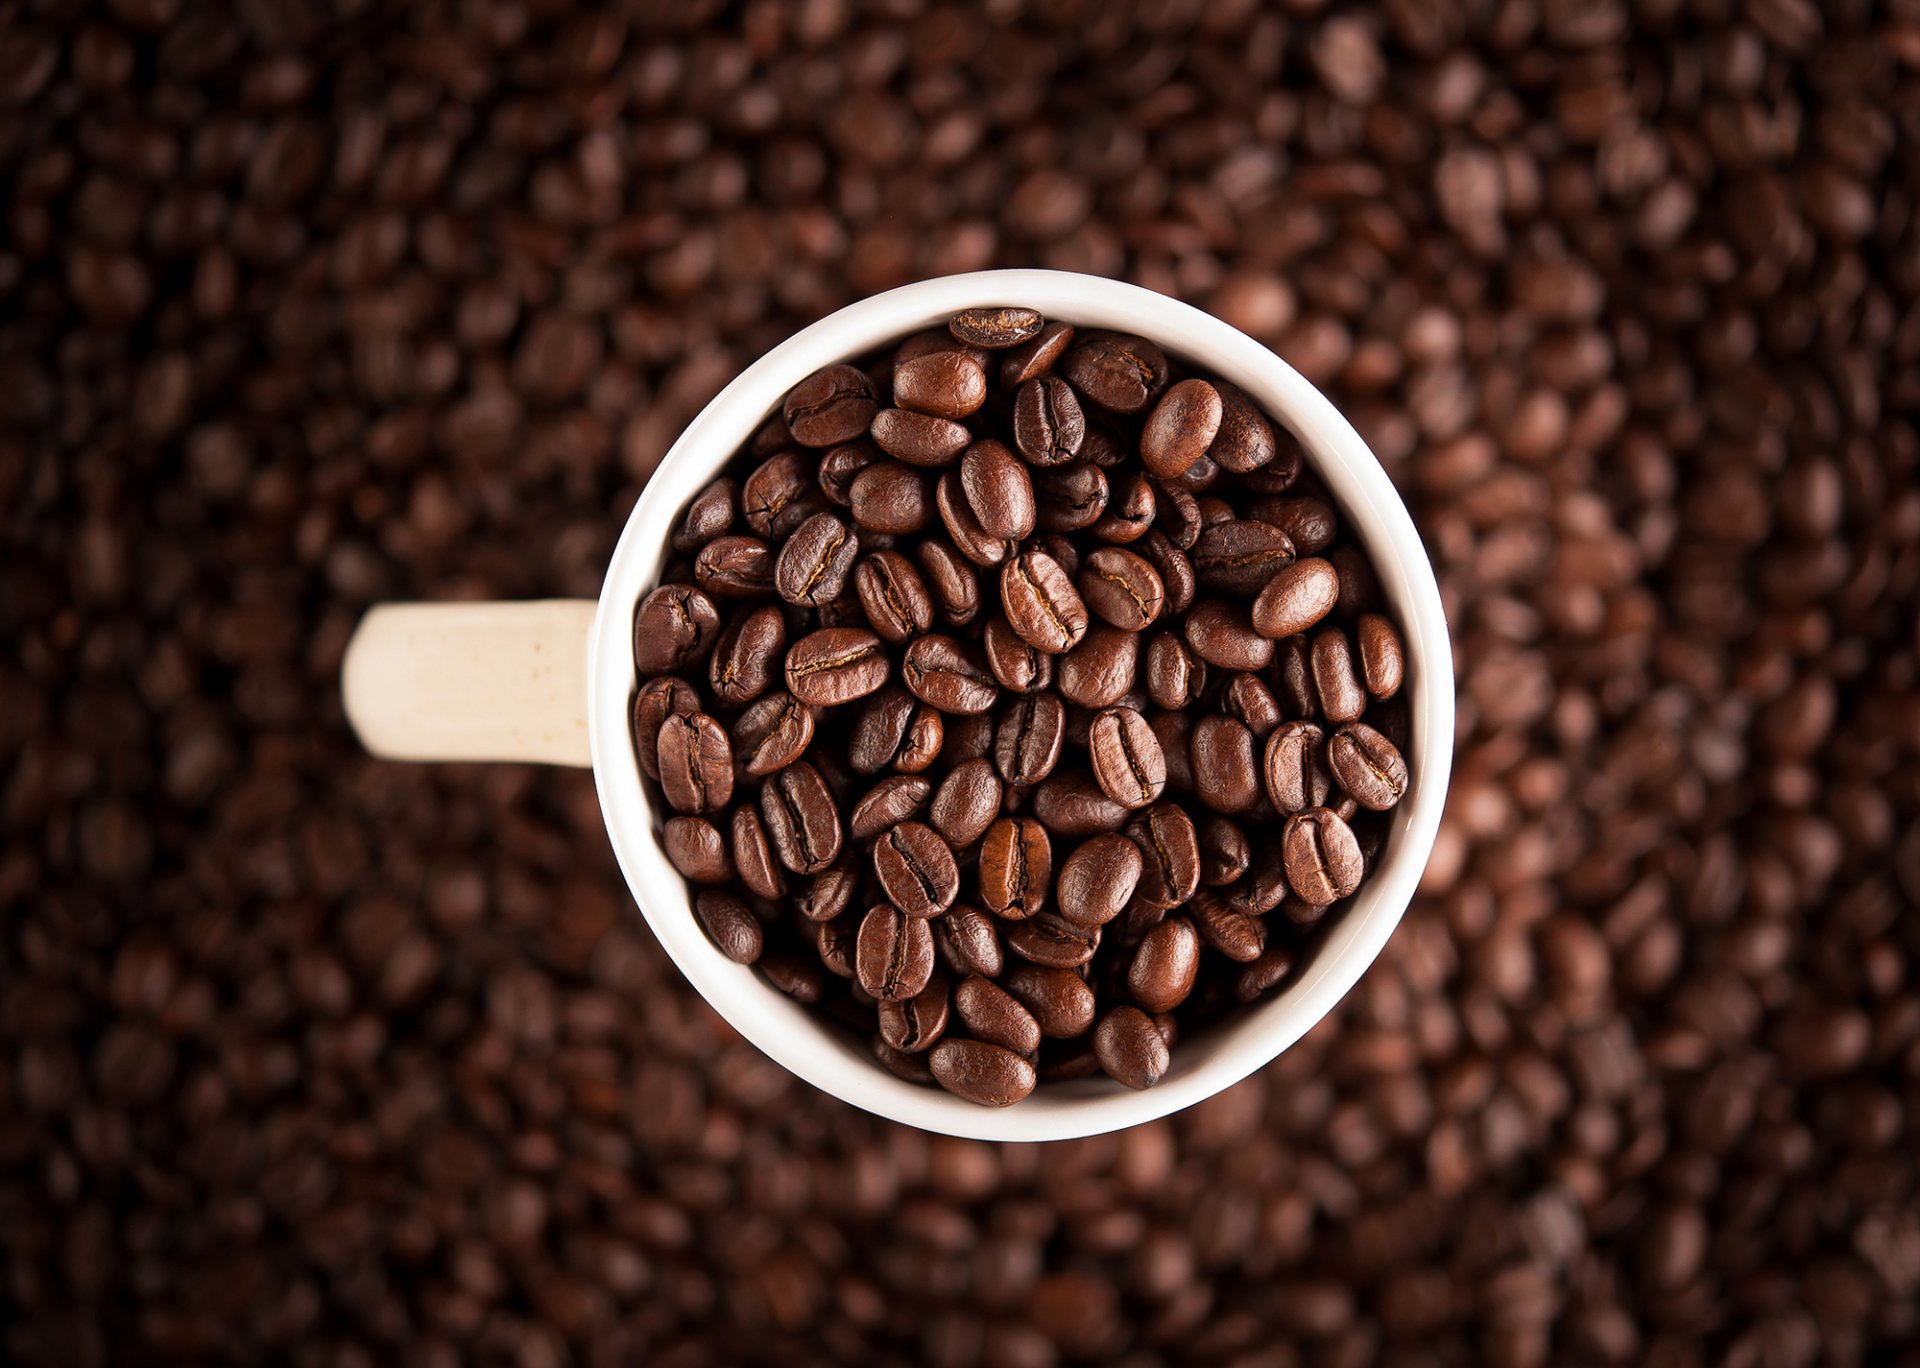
<point x="552" y="682"/>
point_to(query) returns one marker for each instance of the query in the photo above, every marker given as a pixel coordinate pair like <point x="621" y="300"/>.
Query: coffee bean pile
<point x="972" y="799"/>
<point x="308" y="1058"/>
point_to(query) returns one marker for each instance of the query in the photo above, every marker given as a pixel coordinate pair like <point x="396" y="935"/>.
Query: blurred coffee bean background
<point x="306" y="1058"/>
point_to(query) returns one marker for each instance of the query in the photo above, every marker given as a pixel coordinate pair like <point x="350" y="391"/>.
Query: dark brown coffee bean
<point x="1323" y="859"/>
<point x="1170" y="856"/>
<point x="1296" y="598"/>
<point x="772" y="733"/>
<point x="1130" y="1048"/>
<point x="1245" y="440"/>
<point x="813" y="566"/>
<point x="894" y="596"/>
<point x="837" y="942"/>
<point x="1035" y="357"/>
<point x="916" y="1023"/>
<point x="697" y="849"/>
<point x="1226" y="777"/>
<point x="1016" y="867"/>
<point x="1060" y="1000"/>
<point x="1296" y="769"/>
<point x="1026" y="742"/>
<point x="1178" y="582"/>
<point x="1019" y="667"/>
<point x="673" y="629"/>
<point x="920" y="747"/>
<point x="1233" y="933"/>
<point x="919" y="439"/>
<point x="971" y="539"/>
<point x="803" y="980"/>
<point x="1367" y="766"/>
<point x="655" y="701"/>
<point x="779" y="495"/>
<point x="735" y="567"/>
<point x="1050" y="939"/>
<point x="746" y="656"/>
<point x="1382" y="658"/>
<point x="1310" y="522"/>
<point x="996" y="328"/>
<point x="948" y="675"/>
<point x="1071" y="804"/>
<point x="829" y="893"/>
<point x="911" y="1067"/>
<point x="1129" y="510"/>
<point x="893" y="956"/>
<point x="1248" y="698"/>
<point x="880" y="729"/>
<point x="1070" y="497"/>
<point x="1359" y="586"/>
<point x="802" y="819"/>
<point x="895" y="799"/>
<point x="1119" y="372"/>
<point x="729" y="925"/>
<point x="981" y="1073"/>
<point x="1175" y="675"/>
<point x="1127" y="761"/>
<point x="1264" y="886"/>
<point x="696" y="763"/>
<point x="835" y="665"/>
<point x="1041" y="604"/>
<point x="1174" y="731"/>
<point x="1165" y="965"/>
<point x="966" y="803"/>
<point x="967" y="736"/>
<point x="840" y="467"/>
<point x="1181" y="427"/>
<point x="951" y="581"/>
<point x="891" y="497"/>
<point x="1121" y="588"/>
<point x="997" y="489"/>
<point x="934" y="342"/>
<point x="1098" y="879"/>
<point x="970" y="939"/>
<point x="710" y="515"/>
<point x="1101" y="670"/>
<point x="834" y="404"/>
<point x="946" y="384"/>
<point x="916" y="870"/>
<point x="992" y="1014"/>
<point x="1264" y="974"/>
<point x="1239" y="556"/>
<point x="1336" y="676"/>
<point x="1176" y="516"/>
<point x="754" y="857"/>
<point x="1293" y="676"/>
<point x="1222" y="634"/>
<point x="1048" y="426"/>
<point x="1225" y="854"/>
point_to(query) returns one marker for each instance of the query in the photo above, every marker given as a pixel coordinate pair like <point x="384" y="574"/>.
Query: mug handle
<point x="471" y="681"/>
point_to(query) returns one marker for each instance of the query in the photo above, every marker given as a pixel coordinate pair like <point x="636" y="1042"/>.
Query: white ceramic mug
<point x="553" y="681"/>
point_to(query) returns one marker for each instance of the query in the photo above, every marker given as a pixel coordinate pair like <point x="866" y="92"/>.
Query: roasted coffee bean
<point x="1026" y="742"/>
<point x="836" y="665"/>
<point x="996" y="328"/>
<point x="735" y="567"/>
<point x="800" y="979"/>
<point x="880" y="729"/>
<point x="729" y="925"/>
<point x="1264" y="974"/>
<point x="920" y="439"/>
<point x="916" y="869"/>
<point x="1018" y="666"/>
<point x="951" y="582"/>
<point x="921" y="746"/>
<point x="1264" y="886"/>
<point x="971" y="941"/>
<point x="812" y="567"/>
<point x="674" y="628"/>
<point x="1310" y="522"/>
<point x="1336" y="676"/>
<point x="916" y="1023"/>
<point x="891" y="497"/>
<point x="1176" y="676"/>
<point x="1070" y="497"/>
<point x="992" y="1014"/>
<point x="1165" y="965"/>
<point x="1101" y="670"/>
<point x="932" y="342"/>
<point x="1323" y="859"/>
<point x="1181" y="427"/>
<point x="840" y="467"/>
<point x="655" y="701"/>
<point x="1071" y="804"/>
<point x="1232" y="932"/>
<point x="1176" y="516"/>
<point x="1239" y="556"/>
<point x="1359" y="586"/>
<point x="1170" y="856"/>
<point x="1048" y="426"/>
<point x="1296" y="769"/>
<point x="966" y="803"/>
<point x="779" y="495"/>
<point x="947" y="384"/>
<point x="744" y="660"/>
<point x="697" y="849"/>
<point x="997" y="489"/>
<point x="1367" y="766"/>
<point x="1131" y="1048"/>
<point x="837" y="942"/>
<point x="1036" y="356"/>
<point x="710" y="515"/>
<point x="802" y="819"/>
<point x="969" y="538"/>
<point x="1016" y="867"/>
<point x="772" y="733"/>
<point x="895" y="799"/>
<point x="1041" y="604"/>
<point x="1119" y="372"/>
<point x="1224" y="853"/>
<point x="1126" y="757"/>
<point x="1098" y="879"/>
<point x="981" y="1073"/>
<point x="753" y="855"/>
<point x="893" y="956"/>
<point x="948" y="675"/>
<point x="1247" y="697"/>
<point x="1382" y="658"/>
<point x="829" y="893"/>
<point x="1050" y="939"/>
<point x="1245" y="441"/>
<point x="1177" y="581"/>
<point x="1121" y="588"/>
<point x="1221" y="633"/>
<point x="1293" y="675"/>
<point x="1296" y="598"/>
<point x="834" y="404"/>
<point x="1226" y="776"/>
<point x="1060" y="1000"/>
<point x="696" y="763"/>
<point x="894" y="596"/>
<point x="965" y="736"/>
<point x="1129" y="510"/>
<point x="913" y="1068"/>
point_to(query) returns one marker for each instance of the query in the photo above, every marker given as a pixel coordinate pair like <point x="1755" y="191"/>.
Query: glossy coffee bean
<point x="966" y="803"/>
<point x="1119" y="372"/>
<point x="893" y="955"/>
<point x="948" y="675"/>
<point x="1129" y="510"/>
<point x="970" y="941"/>
<point x="992" y="1014"/>
<point x="1228" y="930"/>
<point x="1245" y="440"/>
<point x="891" y="497"/>
<point x="835" y="665"/>
<point x="696" y="763"/>
<point x="1018" y="666"/>
<point x="841" y="466"/>
<point x="1225" y="854"/>
<point x="802" y="819"/>
<point x="1181" y="427"/>
<point x="1041" y="604"/>
<point x="735" y="567"/>
<point x="894" y="596"/>
<point x="997" y="489"/>
<point x="1026" y="742"/>
<point x="1098" y="879"/>
<point x="1222" y="634"/>
<point x="1101" y="670"/>
<point x="1225" y="774"/>
<point x="697" y="849"/>
<point x="895" y="799"/>
<point x="1323" y="859"/>
<point x="653" y="703"/>
<point x="1170" y="856"/>
<point x="1176" y="676"/>
<point x="1367" y="766"/>
<point x="946" y="384"/>
<point x="829" y="893"/>
<point x="710" y="515"/>
<point x="916" y="869"/>
<point x="1247" y="697"/>
<point x="1310" y="522"/>
<point x="920" y="439"/>
<point x="1131" y="1048"/>
<point x="1295" y="767"/>
<point x="1265" y="973"/>
<point x="913" y="1024"/>
<point x="729" y="925"/>
<point x="1036" y="356"/>
<point x="834" y="404"/>
<point x="773" y="732"/>
<point x="1296" y="598"/>
<point x="1050" y="939"/>
<point x="996" y="328"/>
<point x="1060" y="1000"/>
<point x="880" y="725"/>
<point x="1382" y="657"/>
<point x="754" y="857"/>
<point x="746" y="657"/>
<point x="813" y="565"/>
<point x="1240" y="556"/>
<point x="674" y="628"/>
<point x="951" y="581"/>
<point x="1265" y="884"/>
<point x="1071" y="804"/>
<point x="779" y="495"/>
<point x="1048" y="426"/>
<point x="1336" y="676"/>
<point x="1128" y="763"/>
<point x="1121" y="588"/>
<point x="1015" y="868"/>
<point x="969" y="538"/>
<point x="1165" y="965"/>
<point x="987" y="1075"/>
<point x="1293" y="677"/>
<point x="910" y="1068"/>
<point x="1067" y="498"/>
<point x="800" y="979"/>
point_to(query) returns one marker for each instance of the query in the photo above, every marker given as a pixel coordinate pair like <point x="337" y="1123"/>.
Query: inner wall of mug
<point x="1225" y="1051"/>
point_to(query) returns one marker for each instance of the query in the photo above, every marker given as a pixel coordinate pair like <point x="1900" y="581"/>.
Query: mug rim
<point x="798" y="1038"/>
